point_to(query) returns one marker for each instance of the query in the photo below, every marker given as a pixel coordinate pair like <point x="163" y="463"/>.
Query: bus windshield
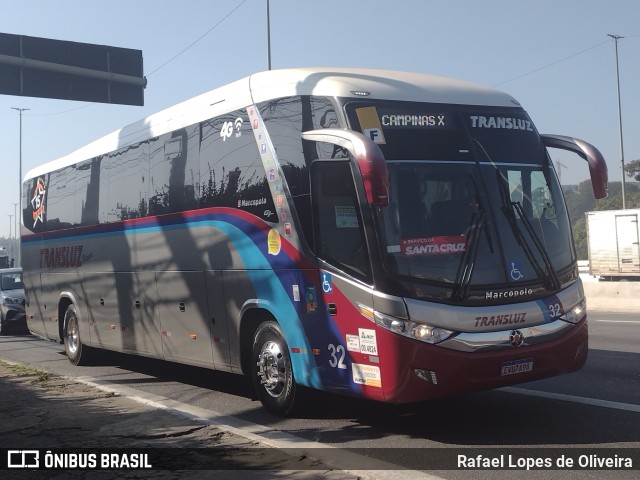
<point x="474" y="202"/>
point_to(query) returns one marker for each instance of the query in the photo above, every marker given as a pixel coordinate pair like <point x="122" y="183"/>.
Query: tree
<point x="580" y="201"/>
<point x="632" y="169"/>
<point x="580" y="238"/>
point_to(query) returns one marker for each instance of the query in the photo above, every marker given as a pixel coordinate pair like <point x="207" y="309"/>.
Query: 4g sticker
<point x="228" y="127"/>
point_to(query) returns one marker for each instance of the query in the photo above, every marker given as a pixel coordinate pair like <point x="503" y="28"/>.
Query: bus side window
<point x="338" y="230"/>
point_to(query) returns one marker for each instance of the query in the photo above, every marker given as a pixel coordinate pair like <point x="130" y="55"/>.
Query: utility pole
<point x="15" y="213"/>
<point x="616" y="38"/>
<point x="15" y="233"/>
<point x="20" y="110"/>
<point x="268" y="38"/>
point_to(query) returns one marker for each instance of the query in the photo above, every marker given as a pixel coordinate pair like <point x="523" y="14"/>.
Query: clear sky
<point x="554" y="56"/>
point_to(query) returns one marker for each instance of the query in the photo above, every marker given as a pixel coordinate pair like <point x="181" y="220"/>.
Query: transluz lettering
<point x="61" y="257"/>
<point x="508" y="123"/>
<point x="506" y="319"/>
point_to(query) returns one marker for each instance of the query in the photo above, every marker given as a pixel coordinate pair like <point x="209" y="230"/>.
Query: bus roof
<point x="259" y="87"/>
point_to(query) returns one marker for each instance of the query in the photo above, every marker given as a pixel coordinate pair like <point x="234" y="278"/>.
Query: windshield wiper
<point x="509" y="208"/>
<point x="465" y="269"/>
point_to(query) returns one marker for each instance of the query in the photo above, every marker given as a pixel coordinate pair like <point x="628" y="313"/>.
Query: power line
<point x="562" y="60"/>
<point x="198" y="39"/>
<point x="552" y="63"/>
<point x="62" y="112"/>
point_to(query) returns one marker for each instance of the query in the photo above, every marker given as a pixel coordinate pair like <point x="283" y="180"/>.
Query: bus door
<point x="349" y="359"/>
<point x="341" y="245"/>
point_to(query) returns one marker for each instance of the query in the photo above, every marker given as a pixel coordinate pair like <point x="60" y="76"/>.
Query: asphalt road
<point x="597" y="407"/>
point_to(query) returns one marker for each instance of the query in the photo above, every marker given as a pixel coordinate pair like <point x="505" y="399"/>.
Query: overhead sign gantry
<point x="42" y="67"/>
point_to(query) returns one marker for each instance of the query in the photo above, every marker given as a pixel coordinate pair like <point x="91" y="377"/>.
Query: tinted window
<point x="411" y="131"/>
<point x="285" y="119"/>
<point x="231" y="169"/>
<point x="124" y="178"/>
<point x="65" y="197"/>
<point x="339" y="233"/>
<point x="175" y="171"/>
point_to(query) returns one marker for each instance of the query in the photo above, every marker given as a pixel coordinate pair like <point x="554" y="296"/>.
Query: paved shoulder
<point x="39" y="410"/>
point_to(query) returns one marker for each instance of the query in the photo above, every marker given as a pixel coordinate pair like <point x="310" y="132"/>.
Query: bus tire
<point x="76" y="351"/>
<point x="271" y="370"/>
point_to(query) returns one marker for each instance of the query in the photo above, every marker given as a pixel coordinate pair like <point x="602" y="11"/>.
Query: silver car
<point x="12" y="314"/>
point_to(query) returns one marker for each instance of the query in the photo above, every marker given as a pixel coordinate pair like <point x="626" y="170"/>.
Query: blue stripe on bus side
<point x="304" y="366"/>
<point x="265" y="280"/>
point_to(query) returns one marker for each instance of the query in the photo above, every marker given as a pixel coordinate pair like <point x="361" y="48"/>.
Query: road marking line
<point x="617" y="321"/>
<point x="629" y="407"/>
<point x="340" y="459"/>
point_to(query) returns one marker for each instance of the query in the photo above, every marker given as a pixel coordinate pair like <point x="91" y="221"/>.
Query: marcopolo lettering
<point x="507" y="123"/>
<point x="507" y="294"/>
<point x="61" y="257"/>
<point x="252" y="203"/>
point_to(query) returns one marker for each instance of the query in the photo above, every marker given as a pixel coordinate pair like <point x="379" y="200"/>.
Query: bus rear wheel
<point x="271" y="370"/>
<point x="77" y="353"/>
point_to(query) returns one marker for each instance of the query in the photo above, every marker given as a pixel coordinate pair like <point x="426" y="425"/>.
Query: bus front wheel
<point x="271" y="371"/>
<point x="77" y="353"/>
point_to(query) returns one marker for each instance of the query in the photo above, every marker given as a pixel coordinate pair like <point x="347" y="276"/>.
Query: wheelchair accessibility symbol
<point x="514" y="271"/>
<point x="327" y="286"/>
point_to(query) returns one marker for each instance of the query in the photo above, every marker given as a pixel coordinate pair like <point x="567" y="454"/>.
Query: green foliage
<point x="582" y="200"/>
<point x="632" y="169"/>
<point x="579" y="229"/>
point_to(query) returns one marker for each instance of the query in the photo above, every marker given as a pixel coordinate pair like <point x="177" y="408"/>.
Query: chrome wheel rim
<point x="72" y="336"/>
<point x="272" y="368"/>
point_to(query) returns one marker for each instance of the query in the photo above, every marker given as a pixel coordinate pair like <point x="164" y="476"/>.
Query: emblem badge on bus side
<point x="516" y="338"/>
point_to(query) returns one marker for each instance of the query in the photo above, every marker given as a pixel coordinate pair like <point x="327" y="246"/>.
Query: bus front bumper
<point x="431" y="371"/>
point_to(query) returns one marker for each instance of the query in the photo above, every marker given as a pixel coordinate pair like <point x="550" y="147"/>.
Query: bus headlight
<point x="577" y="313"/>
<point x="429" y="334"/>
<point x="407" y="328"/>
<point x="393" y="324"/>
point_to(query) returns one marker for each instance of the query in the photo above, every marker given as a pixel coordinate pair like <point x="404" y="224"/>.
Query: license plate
<point x="517" y="366"/>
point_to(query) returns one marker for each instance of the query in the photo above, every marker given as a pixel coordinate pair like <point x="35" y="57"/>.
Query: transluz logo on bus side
<point x="37" y="201"/>
<point x="68" y="256"/>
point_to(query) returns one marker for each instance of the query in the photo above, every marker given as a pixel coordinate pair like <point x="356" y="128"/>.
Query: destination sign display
<point x="414" y="120"/>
